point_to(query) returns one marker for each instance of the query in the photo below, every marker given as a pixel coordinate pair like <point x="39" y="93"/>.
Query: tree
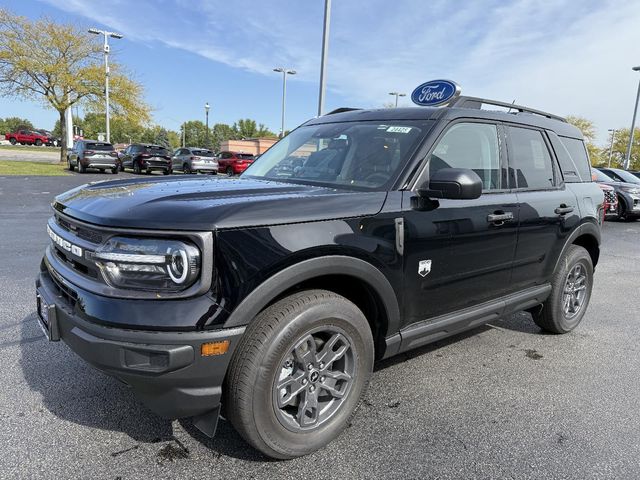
<point x="619" y="149"/>
<point x="219" y="133"/>
<point x="247" y="128"/>
<point x="589" y="133"/>
<point x="195" y="133"/>
<point x="11" y="124"/>
<point x="59" y="66"/>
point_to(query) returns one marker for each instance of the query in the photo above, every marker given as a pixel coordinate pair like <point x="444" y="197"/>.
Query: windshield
<point x="157" y="151"/>
<point x="202" y="153"/>
<point x="627" y="176"/>
<point x="367" y="155"/>
<point x="598" y="176"/>
<point x="104" y="147"/>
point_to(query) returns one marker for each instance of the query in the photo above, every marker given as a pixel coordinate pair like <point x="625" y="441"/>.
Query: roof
<point x="462" y="107"/>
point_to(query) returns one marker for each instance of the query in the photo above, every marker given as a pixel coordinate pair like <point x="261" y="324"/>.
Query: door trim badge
<point x="424" y="267"/>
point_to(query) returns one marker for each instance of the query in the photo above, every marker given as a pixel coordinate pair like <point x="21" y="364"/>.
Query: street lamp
<point x="627" y="159"/>
<point x="284" y="72"/>
<point x="105" y="49"/>
<point x="397" y="95"/>
<point x="325" y="51"/>
<point x="613" y="135"/>
<point x="206" y="114"/>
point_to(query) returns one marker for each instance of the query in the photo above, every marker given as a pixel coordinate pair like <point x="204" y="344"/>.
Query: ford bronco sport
<point x="361" y="234"/>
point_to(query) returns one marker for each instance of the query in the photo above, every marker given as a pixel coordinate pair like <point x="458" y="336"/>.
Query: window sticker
<point x="398" y="129"/>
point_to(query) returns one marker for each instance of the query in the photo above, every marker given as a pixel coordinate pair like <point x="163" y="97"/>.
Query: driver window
<point x="470" y="145"/>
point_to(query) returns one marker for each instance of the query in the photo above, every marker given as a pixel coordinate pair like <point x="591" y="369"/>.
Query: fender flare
<point x="587" y="228"/>
<point x="278" y="283"/>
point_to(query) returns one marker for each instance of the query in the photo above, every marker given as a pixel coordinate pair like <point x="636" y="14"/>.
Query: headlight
<point x="148" y="264"/>
<point x="631" y="190"/>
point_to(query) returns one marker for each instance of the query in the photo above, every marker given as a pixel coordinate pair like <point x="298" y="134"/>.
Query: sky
<point x="569" y="57"/>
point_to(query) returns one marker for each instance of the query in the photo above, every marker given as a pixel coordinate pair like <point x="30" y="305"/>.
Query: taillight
<point x="113" y="154"/>
<point x="145" y="155"/>
<point x="89" y="152"/>
<point x="192" y="157"/>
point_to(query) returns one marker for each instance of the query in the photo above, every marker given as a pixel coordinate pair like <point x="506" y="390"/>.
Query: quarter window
<point x="530" y="163"/>
<point x="470" y="145"/>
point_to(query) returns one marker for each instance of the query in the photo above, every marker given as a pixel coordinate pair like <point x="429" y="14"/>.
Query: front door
<point x="461" y="252"/>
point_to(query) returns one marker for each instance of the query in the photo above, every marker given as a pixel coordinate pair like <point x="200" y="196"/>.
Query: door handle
<point x="563" y="209"/>
<point x="499" y="217"/>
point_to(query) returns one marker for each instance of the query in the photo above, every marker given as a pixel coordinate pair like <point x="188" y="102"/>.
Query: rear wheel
<point x="299" y="373"/>
<point x="230" y="171"/>
<point x="570" y="292"/>
<point x="114" y="170"/>
<point x="81" y="167"/>
<point x="38" y="142"/>
<point x="186" y="169"/>
<point x="166" y="172"/>
<point x="13" y="141"/>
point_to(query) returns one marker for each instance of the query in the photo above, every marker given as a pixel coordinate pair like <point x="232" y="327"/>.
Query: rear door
<point x="459" y="253"/>
<point x="548" y="210"/>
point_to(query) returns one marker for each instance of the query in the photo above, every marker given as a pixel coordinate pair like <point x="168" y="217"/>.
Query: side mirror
<point x="452" y="183"/>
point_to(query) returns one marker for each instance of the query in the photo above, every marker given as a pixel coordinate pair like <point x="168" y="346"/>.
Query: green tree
<point x="59" y="66"/>
<point x="195" y="133"/>
<point x="247" y="128"/>
<point x="219" y="133"/>
<point x="11" y="124"/>
<point x="588" y="130"/>
<point x="619" y="149"/>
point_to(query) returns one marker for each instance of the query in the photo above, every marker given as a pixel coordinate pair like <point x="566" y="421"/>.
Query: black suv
<point x="146" y="158"/>
<point x="92" y="154"/>
<point x="360" y="235"/>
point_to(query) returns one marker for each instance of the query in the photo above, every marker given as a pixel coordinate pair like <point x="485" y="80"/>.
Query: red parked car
<point x="234" y="163"/>
<point x="28" y="137"/>
<point x="610" y="199"/>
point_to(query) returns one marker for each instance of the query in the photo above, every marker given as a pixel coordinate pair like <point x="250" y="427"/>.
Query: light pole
<point x="325" y="51"/>
<point x="284" y="72"/>
<point x="105" y="49"/>
<point x="627" y="159"/>
<point x="206" y="114"/>
<point x="397" y="95"/>
<point x="613" y="135"/>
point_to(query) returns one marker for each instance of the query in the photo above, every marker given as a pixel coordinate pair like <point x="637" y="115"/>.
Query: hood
<point x="206" y="203"/>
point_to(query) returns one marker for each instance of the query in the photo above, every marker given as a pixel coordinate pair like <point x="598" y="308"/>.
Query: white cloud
<point x="564" y="56"/>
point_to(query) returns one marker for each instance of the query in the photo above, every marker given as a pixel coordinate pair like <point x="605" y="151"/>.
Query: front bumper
<point x="165" y="370"/>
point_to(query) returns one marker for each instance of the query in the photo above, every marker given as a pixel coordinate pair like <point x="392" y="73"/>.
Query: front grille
<point x="83" y="232"/>
<point x="74" y="232"/>
<point x="609" y="196"/>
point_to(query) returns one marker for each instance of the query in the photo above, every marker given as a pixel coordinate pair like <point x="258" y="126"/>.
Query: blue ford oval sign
<point x="435" y="92"/>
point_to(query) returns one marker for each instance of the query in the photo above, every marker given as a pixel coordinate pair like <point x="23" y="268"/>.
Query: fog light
<point x="214" y="348"/>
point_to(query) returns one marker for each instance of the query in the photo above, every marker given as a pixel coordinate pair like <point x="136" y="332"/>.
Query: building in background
<point x="255" y="146"/>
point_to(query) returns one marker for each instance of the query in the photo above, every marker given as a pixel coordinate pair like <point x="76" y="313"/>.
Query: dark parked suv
<point x="146" y="158"/>
<point x="274" y="294"/>
<point x="92" y="154"/>
<point x="627" y="188"/>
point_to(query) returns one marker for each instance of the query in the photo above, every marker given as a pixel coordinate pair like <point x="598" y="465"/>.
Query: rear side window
<point x="102" y="147"/>
<point x="570" y="171"/>
<point x="530" y="162"/>
<point x="579" y="156"/>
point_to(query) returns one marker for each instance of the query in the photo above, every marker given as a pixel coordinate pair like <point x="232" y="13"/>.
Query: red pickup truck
<point x="28" y="137"/>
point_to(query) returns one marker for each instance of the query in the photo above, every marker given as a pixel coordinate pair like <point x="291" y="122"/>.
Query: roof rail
<point x="342" y="109"/>
<point x="476" y="102"/>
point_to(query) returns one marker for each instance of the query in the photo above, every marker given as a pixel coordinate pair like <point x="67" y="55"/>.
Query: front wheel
<point x="136" y="168"/>
<point x="230" y="171"/>
<point x="38" y="142"/>
<point x="69" y="165"/>
<point x="114" y="170"/>
<point x="166" y="172"/>
<point x="570" y="292"/>
<point x="299" y="373"/>
<point x="13" y="141"/>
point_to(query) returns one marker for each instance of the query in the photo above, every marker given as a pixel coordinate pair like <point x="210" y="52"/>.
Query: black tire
<point x="621" y="210"/>
<point x="136" y="168"/>
<point x="148" y="171"/>
<point x="265" y="353"/>
<point x="230" y="171"/>
<point x="553" y="315"/>
<point x="114" y="170"/>
<point x="81" y="167"/>
<point x="38" y="142"/>
<point x="71" y="167"/>
<point x="186" y="169"/>
<point x="13" y="141"/>
<point x="166" y="172"/>
<point x="101" y="170"/>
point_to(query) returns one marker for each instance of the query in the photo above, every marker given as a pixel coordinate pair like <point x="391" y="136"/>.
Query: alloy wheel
<point x="575" y="291"/>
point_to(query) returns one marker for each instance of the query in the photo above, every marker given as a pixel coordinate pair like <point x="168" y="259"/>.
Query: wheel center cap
<point x="314" y="376"/>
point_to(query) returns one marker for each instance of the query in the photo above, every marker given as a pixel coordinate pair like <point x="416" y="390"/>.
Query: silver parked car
<point x="194" y="160"/>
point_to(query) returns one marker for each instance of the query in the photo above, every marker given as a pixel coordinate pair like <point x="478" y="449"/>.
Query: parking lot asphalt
<point x="502" y="401"/>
